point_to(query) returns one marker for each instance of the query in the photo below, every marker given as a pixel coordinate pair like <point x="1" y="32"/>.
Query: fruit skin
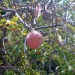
<point x="34" y="39"/>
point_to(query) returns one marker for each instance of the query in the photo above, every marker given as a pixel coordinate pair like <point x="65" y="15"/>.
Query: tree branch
<point x="46" y="27"/>
<point x="10" y="68"/>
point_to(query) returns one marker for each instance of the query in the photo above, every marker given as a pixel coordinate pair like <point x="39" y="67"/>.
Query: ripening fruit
<point x="34" y="39"/>
<point x="46" y="15"/>
<point x="37" y="11"/>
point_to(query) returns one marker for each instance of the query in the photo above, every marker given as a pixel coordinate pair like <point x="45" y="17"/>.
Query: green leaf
<point x="15" y="19"/>
<point x="70" y="68"/>
<point x="2" y="21"/>
<point x="21" y="74"/>
<point x="16" y="51"/>
<point x="71" y="12"/>
<point x="72" y="27"/>
<point x="10" y="36"/>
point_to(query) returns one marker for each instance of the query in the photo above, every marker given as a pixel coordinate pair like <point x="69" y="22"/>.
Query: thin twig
<point x="10" y="68"/>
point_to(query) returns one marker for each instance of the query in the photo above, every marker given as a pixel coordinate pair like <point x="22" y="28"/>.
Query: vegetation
<point x="54" y="20"/>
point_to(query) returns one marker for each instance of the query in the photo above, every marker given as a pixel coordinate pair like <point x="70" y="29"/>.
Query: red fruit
<point x="34" y="39"/>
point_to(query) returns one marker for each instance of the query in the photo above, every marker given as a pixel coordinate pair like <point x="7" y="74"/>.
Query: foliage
<point x="56" y="54"/>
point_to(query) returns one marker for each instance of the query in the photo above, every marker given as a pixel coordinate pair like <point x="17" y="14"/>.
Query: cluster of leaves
<point x="58" y="40"/>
